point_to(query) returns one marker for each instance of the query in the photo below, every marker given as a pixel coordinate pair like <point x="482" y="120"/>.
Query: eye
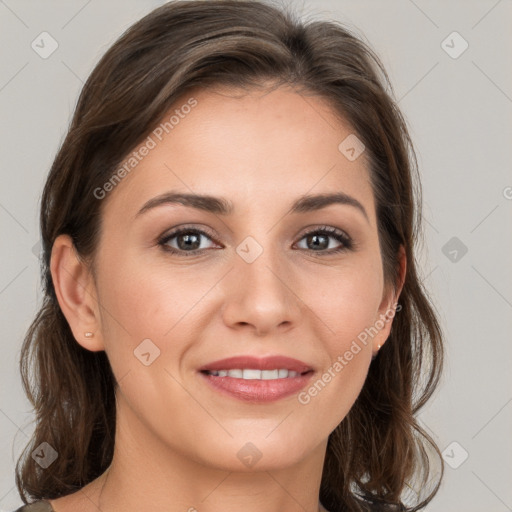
<point x="186" y="241"/>
<point x="317" y="240"/>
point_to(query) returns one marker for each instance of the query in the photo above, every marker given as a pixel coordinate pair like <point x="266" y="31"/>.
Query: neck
<point x="147" y="473"/>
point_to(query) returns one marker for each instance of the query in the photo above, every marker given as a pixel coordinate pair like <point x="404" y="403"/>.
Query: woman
<point x="232" y="317"/>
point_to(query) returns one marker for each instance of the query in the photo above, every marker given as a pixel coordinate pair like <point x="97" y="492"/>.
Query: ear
<point x="389" y="304"/>
<point x="76" y="293"/>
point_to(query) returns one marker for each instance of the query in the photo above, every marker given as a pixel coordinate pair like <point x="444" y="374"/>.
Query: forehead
<point x="257" y="148"/>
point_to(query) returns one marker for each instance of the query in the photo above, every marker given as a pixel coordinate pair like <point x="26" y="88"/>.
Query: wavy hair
<point x="379" y="453"/>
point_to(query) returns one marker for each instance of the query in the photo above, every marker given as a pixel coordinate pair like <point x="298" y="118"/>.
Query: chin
<point x="247" y="453"/>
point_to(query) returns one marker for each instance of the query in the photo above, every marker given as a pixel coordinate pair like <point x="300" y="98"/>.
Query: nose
<point x="260" y="296"/>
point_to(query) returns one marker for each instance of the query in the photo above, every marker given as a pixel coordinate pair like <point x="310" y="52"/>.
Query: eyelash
<point x="347" y="243"/>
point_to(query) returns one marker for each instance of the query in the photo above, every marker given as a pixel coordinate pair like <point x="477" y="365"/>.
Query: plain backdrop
<point x="450" y="65"/>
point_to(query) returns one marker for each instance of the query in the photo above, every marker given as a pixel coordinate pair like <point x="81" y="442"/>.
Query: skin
<point x="177" y="439"/>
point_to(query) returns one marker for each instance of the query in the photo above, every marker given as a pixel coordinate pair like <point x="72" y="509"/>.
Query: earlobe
<point x="76" y="294"/>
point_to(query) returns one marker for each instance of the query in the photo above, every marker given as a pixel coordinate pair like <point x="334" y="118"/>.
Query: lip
<point x="258" y="363"/>
<point x="254" y="390"/>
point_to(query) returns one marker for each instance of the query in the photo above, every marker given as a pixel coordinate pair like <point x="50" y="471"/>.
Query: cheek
<point x="146" y="300"/>
<point x="149" y="302"/>
<point x="346" y="300"/>
<point x="143" y="311"/>
<point x="348" y="308"/>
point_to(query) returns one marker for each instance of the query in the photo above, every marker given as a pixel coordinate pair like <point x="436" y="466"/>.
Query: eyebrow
<point x="221" y="206"/>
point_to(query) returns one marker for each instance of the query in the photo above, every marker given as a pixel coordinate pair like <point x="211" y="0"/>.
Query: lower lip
<point x="254" y="390"/>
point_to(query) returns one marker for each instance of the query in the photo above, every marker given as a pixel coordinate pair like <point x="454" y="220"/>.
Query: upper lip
<point x="258" y="363"/>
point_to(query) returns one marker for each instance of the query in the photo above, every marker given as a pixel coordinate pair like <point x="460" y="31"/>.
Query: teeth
<point x="269" y="374"/>
<point x="250" y="374"/>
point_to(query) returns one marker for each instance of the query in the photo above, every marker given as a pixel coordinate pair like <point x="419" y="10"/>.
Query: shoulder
<point x="36" y="506"/>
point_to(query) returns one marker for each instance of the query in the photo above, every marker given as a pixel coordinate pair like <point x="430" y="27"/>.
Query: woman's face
<point x="259" y="280"/>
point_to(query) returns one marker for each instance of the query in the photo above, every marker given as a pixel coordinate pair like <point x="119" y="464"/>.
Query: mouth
<point x="253" y="379"/>
<point x="255" y="374"/>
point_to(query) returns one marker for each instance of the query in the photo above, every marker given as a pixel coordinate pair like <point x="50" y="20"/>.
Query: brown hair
<point x="379" y="449"/>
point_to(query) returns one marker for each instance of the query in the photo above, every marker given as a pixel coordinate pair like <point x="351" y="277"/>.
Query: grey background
<point x="458" y="110"/>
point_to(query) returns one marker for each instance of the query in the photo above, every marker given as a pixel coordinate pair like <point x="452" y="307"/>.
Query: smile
<point x="254" y="374"/>
<point x="256" y="386"/>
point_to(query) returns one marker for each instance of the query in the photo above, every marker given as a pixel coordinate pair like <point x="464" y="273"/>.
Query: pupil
<point x="189" y="241"/>
<point x="316" y="244"/>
